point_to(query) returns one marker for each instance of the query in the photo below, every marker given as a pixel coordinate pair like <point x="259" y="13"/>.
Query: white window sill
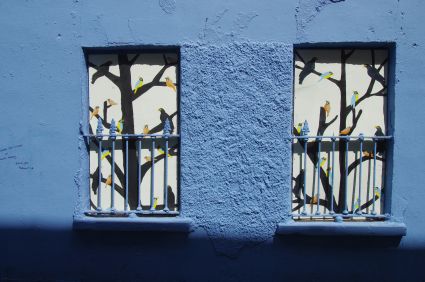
<point x="159" y="224"/>
<point x="384" y="228"/>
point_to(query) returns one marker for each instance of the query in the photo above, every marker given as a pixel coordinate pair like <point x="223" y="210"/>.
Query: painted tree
<point x="128" y="96"/>
<point x="345" y="123"/>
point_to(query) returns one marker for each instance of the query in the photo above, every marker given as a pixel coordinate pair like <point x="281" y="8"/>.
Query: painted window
<point x="340" y="133"/>
<point x="133" y="98"/>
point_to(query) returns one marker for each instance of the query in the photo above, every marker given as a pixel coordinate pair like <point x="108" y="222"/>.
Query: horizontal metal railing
<point x="360" y="211"/>
<point x="112" y="137"/>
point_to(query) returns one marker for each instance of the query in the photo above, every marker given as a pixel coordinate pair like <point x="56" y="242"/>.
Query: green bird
<point x="322" y="161"/>
<point x="105" y="153"/>
<point x="354" y="99"/>
<point x="357" y="205"/>
<point x="120" y="125"/>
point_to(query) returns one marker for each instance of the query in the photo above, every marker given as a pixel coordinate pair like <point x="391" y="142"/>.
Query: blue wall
<point x="230" y="51"/>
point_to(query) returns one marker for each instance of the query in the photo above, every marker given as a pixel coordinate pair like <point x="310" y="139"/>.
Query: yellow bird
<point x="345" y="131"/>
<point x="328" y="170"/>
<point x="120" y="125"/>
<point x="155" y="202"/>
<point x="313" y="200"/>
<point x="105" y="154"/>
<point x="111" y="102"/>
<point x="377" y="192"/>
<point x="160" y="151"/>
<point x="95" y="112"/>
<point x="367" y="154"/>
<point x="327" y="108"/>
<point x="299" y="126"/>
<point x="170" y="83"/>
<point x="146" y="129"/>
<point x="108" y="180"/>
<point x="357" y="204"/>
<point x="148" y="159"/>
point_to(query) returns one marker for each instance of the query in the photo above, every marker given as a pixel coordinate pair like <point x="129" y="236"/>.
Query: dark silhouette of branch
<point x="319" y="74"/>
<point x="348" y="55"/>
<point x="355" y="163"/>
<point x="95" y="183"/>
<point x="299" y="56"/>
<point x="155" y="81"/>
<point x="112" y="77"/>
<point x="132" y="61"/>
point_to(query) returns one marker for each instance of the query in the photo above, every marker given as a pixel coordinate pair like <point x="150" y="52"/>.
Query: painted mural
<point x="139" y="91"/>
<point x="339" y="92"/>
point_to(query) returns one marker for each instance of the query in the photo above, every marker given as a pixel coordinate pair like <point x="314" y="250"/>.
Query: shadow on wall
<point x="121" y="256"/>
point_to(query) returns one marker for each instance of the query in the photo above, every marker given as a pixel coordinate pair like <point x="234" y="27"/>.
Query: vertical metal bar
<point x="319" y="148"/>
<point x="374" y="176"/>
<point x="126" y="174"/>
<point x="167" y="129"/>
<point x="332" y="171"/>
<point x="152" y="174"/>
<point x="99" y="130"/>
<point x="112" y="137"/>
<point x="304" y="212"/>
<point x="139" y="173"/>
<point x="345" y="211"/>
<point x="360" y="174"/>
<point x="166" y="175"/>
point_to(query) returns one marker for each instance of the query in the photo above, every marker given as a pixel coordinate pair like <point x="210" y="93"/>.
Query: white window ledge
<point x="384" y="228"/>
<point x="159" y="224"/>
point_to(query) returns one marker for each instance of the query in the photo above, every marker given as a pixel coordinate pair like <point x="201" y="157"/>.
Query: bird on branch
<point x="163" y="117"/>
<point x="120" y="125"/>
<point x="314" y="200"/>
<point x="345" y="131"/>
<point x="299" y="184"/>
<point x="170" y="83"/>
<point x="101" y="71"/>
<point x="105" y="153"/>
<point x="374" y="74"/>
<point x="138" y="84"/>
<point x="111" y="102"/>
<point x="326" y="75"/>
<point x="171" y="198"/>
<point x="299" y="126"/>
<point x="380" y="144"/>
<point x="327" y="108"/>
<point x="108" y="180"/>
<point x="308" y="69"/>
<point x="95" y="112"/>
<point x="354" y="99"/>
<point x="146" y="129"/>
<point x="322" y="162"/>
<point x="377" y="192"/>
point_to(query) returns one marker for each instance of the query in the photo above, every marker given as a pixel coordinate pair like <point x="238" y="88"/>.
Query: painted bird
<point x="148" y="159"/>
<point x="160" y="151"/>
<point x="170" y="83"/>
<point x="380" y="144"/>
<point x="146" y="129"/>
<point x="308" y="69"/>
<point x="322" y="161"/>
<point x="120" y="125"/>
<point x="313" y="200"/>
<point x="354" y="99"/>
<point x="138" y="84"/>
<point x="374" y="74"/>
<point x="345" y="131"/>
<point x="326" y="75"/>
<point x="101" y="71"/>
<point x="111" y="102"/>
<point x="108" y="180"/>
<point x="299" y="184"/>
<point x="155" y="202"/>
<point x="367" y="154"/>
<point x="377" y="192"/>
<point x="171" y="198"/>
<point x="327" y="108"/>
<point x="95" y="112"/>
<point x="105" y="153"/>
<point x="328" y="171"/>
<point x="357" y="205"/>
<point x="163" y="117"/>
<point x="299" y="126"/>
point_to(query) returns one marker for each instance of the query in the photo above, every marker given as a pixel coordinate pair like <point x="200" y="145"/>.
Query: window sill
<point x="159" y="224"/>
<point x="386" y="228"/>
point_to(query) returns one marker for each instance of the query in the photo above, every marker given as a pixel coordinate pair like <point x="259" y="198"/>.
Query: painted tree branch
<point x="112" y="77"/>
<point x="104" y="123"/>
<point x="355" y="163"/>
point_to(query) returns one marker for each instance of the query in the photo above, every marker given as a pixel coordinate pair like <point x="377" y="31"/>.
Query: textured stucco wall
<point x="236" y="75"/>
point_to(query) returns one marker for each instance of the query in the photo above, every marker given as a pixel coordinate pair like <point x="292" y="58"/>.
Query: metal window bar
<point x="138" y="138"/>
<point x="362" y="206"/>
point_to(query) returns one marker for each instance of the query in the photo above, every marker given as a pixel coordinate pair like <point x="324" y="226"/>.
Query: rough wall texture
<point x="236" y="111"/>
<point x="236" y="164"/>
